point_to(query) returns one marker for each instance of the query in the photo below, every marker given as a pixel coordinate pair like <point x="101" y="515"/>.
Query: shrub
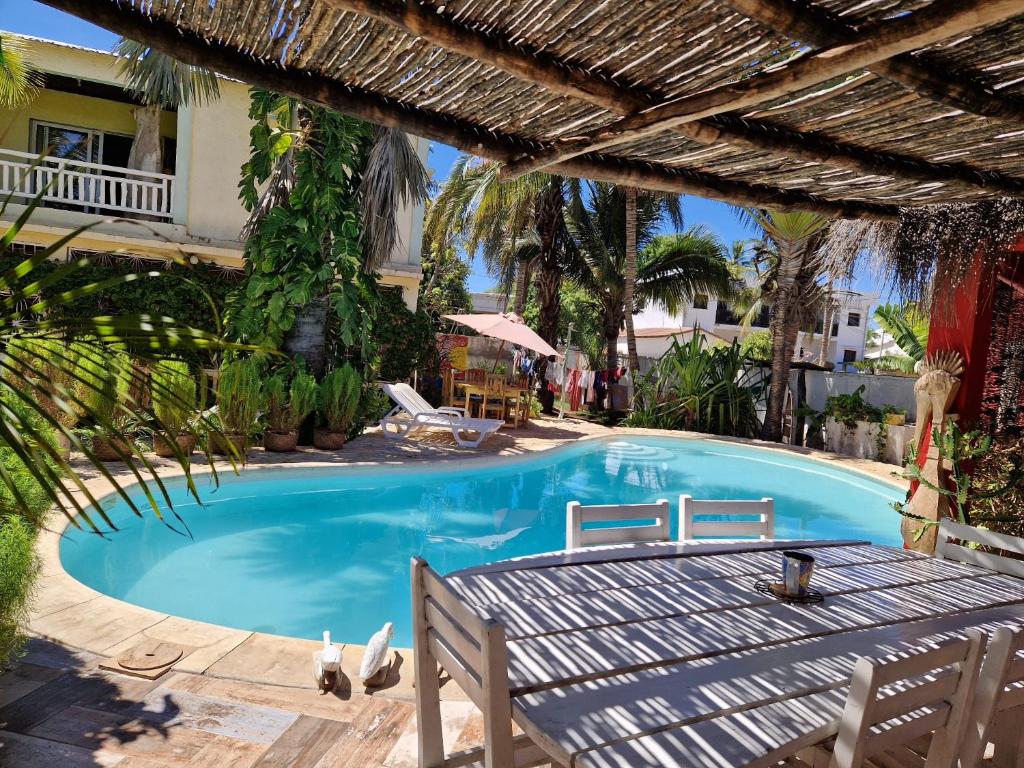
<point x="239" y="397"/>
<point x="288" y="407"/>
<point x="18" y="568"/>
<point x="757" y="346"/>
<point x="340" y="393"/>
<point x="174" y="394"/>
<point x="104" y="386"/>
<point x="851" y="408"/>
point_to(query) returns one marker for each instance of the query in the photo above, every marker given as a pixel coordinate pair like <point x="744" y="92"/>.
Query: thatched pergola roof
<point x="852" y="108"/>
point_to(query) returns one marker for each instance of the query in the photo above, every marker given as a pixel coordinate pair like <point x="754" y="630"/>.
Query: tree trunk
<point x="612" y="324"/>
<point x="782" y="349"/>
<point x="630" y="278"/>
<point x="826" y="326"/>
<point x="549" y="273"/>
<point x="522" y="286"/>
<point x="146" y="154"/>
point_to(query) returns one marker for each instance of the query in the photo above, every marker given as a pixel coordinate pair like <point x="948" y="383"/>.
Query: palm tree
<point x="158" y="81"/>
<point x="907" y="325"/>
<point x="790" y="283"/>
<point x="669" y="271"/>
<point x="18" y="78"/>
<point x="671" y="208"/>
<point x="518" y="226"/>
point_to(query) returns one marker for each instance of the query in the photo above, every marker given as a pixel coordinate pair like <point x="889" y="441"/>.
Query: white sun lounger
<point x="422" y="414"/>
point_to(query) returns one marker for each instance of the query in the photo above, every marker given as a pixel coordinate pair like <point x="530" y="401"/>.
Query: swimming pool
<point x="296" y="551"/>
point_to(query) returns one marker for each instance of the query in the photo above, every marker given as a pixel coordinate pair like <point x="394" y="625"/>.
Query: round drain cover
<point x="151" y="655"/>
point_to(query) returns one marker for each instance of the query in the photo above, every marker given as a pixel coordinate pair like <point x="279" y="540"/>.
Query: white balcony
<point x="89" y="187"/>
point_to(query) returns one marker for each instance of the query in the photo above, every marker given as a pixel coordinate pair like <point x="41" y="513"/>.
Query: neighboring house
<point x="848" y="333"/>
<point x="655" y="342"/>
<point x="489" y="303"/>
<point x="192" y="208"/>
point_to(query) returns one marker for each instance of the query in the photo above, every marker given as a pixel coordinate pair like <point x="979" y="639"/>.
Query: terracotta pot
<point x="326" y="440"/>
<point x="161" y="446"/>
<point x="280" y="442"/>
<point x="219" y="444"/>
<point x="105" y="448"/>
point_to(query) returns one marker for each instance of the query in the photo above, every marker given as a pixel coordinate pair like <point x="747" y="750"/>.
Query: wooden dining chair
<point x="702" y="518"/>
<point x="998" y="714"/>
<point x="637" y="517"/>
<point x="967" y="535"/>
<point x="493" y="405"/>
<point x="894" y="704"/>
<point x="472" y="651"/>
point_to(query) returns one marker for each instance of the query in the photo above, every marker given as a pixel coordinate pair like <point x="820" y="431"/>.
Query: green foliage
<point x="405" y="339"/>
<point x="288" y="406"/>
<point x="443" y="289"/>
<point x="961" y="450"/>
<point x="757" y="346"/>
<point x="699" y="389"/>
<point x="579" y="307"/>
<point x="1002" y="467"/>
<point x="174" y="394"/>
<point x="18" y="568"/>
<point x="19" y="78"/>
<point x="339" y="397"/>
<point x="239" y="396"/>
<point x="850" y="408"/>
<point x="908" y="326"/>
<point x="301" y="183"/>
<point x="103" y="387"/>
<point x="156" y="78"/>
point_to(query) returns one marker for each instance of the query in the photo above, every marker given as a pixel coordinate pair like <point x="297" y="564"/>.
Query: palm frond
<point x="156" y="78"/>
<point x="19" y="79"/>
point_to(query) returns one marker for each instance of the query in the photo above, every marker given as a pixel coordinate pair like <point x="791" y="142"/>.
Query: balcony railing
<point x="92" y="187"/>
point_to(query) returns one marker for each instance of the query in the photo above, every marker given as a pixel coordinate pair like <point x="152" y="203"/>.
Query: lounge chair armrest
<point x="461" y="412"/>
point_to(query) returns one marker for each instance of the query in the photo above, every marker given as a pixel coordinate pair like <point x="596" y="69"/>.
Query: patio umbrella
<point x="506" y="326"/>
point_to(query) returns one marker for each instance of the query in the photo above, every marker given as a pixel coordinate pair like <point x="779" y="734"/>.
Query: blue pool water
<point x="294" y="552"/>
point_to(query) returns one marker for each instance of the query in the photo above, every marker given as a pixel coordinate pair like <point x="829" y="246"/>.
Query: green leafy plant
<point x="908" y="326"/>
<point x="174" y="394"/>
<point x="18" y="568"/>
<point x="757" y="346"/>
<point x="960" y="450"/>
<point x="850" y="408"/>
<point x="339" y="398"/>
<point x="239" y="396"/>
<point x="699" y="389"/>
<point x="289" y="405"/>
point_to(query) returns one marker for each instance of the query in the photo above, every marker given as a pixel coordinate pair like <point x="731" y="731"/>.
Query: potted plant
<point x="173" y="390"/>
<point x="239" y="401"/>
<point x="287" y="408"/>
<point x="103" y="387"/>
<point x="337" y="403"/>
<point x="894" y="416"/>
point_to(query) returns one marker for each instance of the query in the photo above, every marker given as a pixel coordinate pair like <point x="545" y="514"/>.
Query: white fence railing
<point x="93" y="187"/>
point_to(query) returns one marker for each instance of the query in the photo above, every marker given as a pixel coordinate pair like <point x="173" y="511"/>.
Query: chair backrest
<point x="495" y="383"/>
<point x="745" y="518"/>
<point x="476" y="375"/>
<point x="407" y="397"/>
<point x="1000" y="687"/>
<point x="637" y="531"/>
<point x="471" y="649"/>
<point x="896" y="701"/>
<point x="946" y="550"/>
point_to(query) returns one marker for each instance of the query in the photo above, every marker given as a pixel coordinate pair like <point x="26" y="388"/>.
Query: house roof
<point x="661" y="333"/>
<point x="843" y="107"/>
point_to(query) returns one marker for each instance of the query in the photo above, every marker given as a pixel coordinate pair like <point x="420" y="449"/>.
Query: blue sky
<point x="31" y="18"/>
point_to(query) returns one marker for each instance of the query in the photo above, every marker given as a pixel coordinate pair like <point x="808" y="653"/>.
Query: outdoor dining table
<point x="516" y="394"/>
<point x="666" y="654"/>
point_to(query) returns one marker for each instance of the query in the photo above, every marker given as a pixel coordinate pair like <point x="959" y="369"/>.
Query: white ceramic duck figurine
<point x="327" y="664"/>
<point x="375" y="656"/>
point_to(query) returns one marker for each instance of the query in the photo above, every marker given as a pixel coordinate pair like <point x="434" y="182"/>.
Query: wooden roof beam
<point x="807" y="23"/>
<point x="193" y="49"/>
<point x="939" y="21"/>
<point x="558" y="76"/>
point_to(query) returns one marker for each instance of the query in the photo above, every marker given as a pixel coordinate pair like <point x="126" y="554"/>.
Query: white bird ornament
<point x="327" y="664"/>
<point x="373" y="670"/>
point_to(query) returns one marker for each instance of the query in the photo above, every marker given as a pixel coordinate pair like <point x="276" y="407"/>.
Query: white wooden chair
<point x="636" y="530"/>
<point x="998" y="715"/>
<point x="757" y="518"/>
<point x="472" y="650"/>
<point x="894" y="704"/>
<point x="946" y="550"/>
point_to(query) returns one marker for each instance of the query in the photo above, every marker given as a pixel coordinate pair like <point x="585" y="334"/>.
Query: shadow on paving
<point x="57" y="709"/>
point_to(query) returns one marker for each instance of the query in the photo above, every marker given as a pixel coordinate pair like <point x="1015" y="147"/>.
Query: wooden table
<point x="665" y="654"/>
<point x="480" y="390"/>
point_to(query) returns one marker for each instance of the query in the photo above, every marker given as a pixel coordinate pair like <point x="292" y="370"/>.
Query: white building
<point x="848" y="333"/>
<point x="488" y="303"/>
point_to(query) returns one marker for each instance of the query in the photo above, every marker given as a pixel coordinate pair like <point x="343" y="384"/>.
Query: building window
<point x="700" y="301"/>
<point x="853" y="319"/>
<point x="849" y="355"/>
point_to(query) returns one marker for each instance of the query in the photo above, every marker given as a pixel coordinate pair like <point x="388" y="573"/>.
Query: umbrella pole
<point x="498" y="356"/>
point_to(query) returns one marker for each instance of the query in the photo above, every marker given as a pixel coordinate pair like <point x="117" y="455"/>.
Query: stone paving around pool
<point x="235" y="699"/>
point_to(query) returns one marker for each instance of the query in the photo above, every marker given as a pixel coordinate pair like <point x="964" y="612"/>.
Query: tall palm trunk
<point x="146" y="154"/>
<point x="629" y="278"/>
<point x="549" y="273"/>
<point x="826" y="326"/>
<point x="780" y="327"/>
<point x="611" y="325"/>
<point x="522" y="286"/>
